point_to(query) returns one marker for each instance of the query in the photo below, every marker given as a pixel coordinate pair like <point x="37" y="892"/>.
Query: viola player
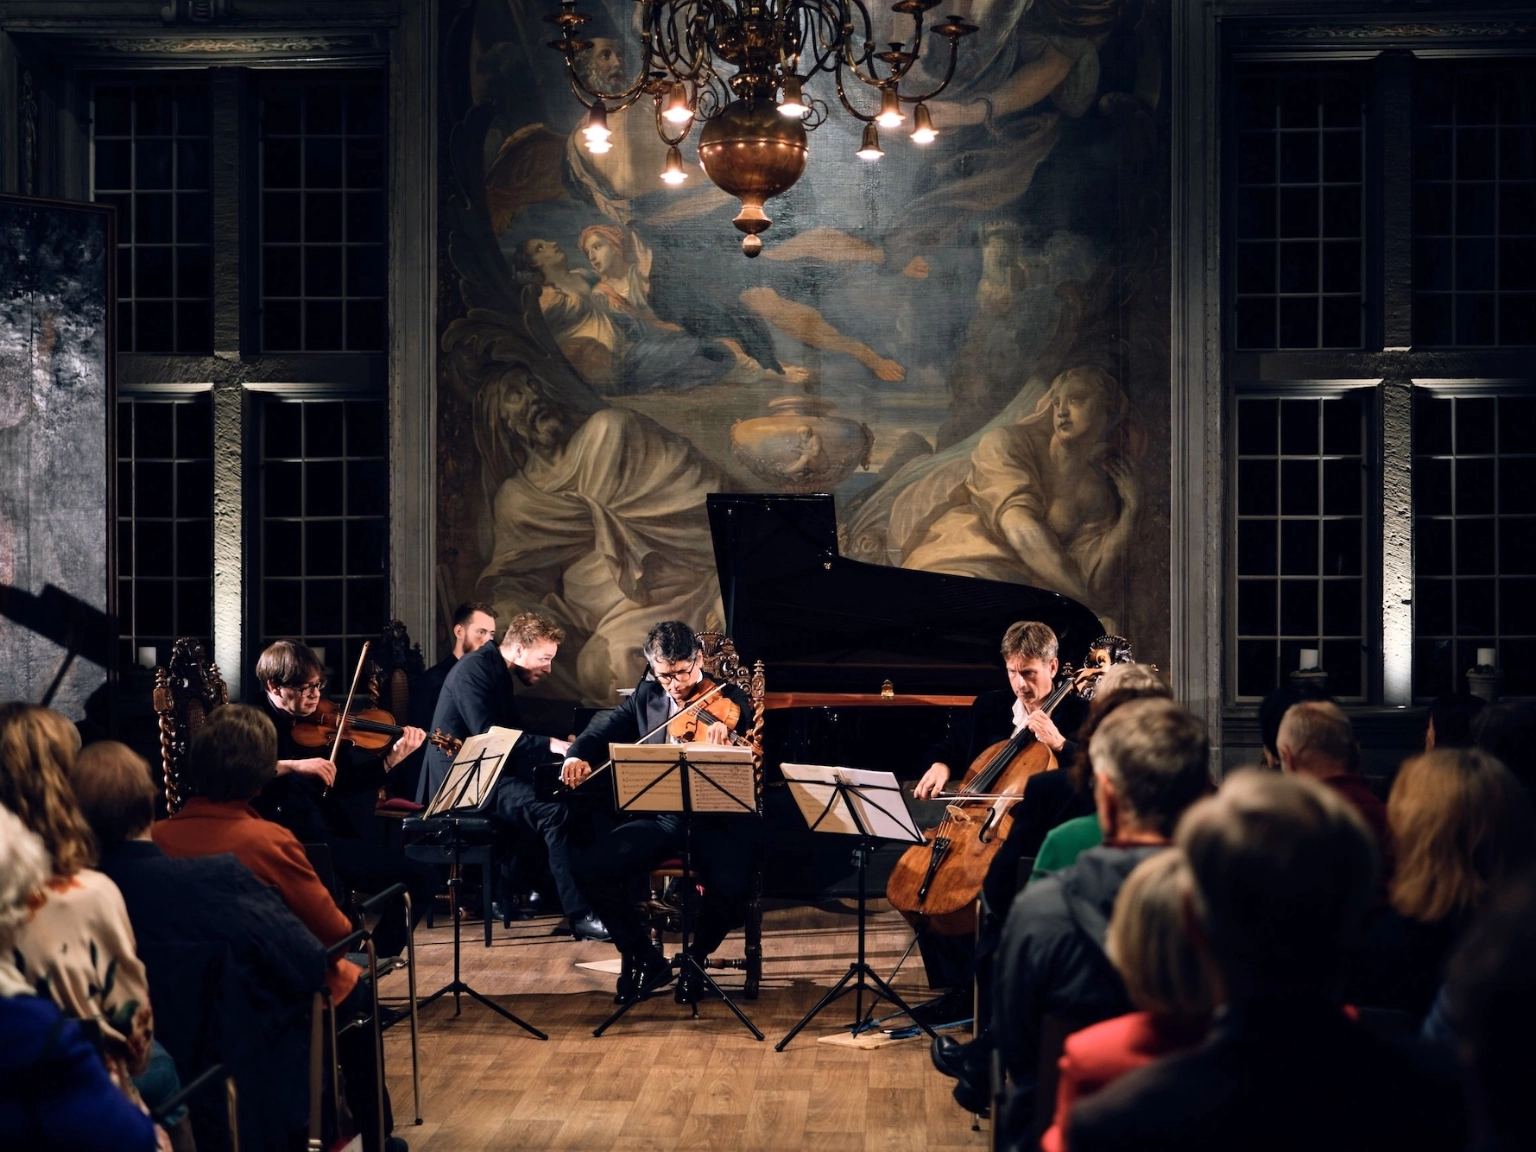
<point x="723" y="845"/>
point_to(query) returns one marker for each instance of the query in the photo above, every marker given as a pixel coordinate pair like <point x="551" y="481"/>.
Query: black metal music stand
<point x="842" y="801"/>
<point x="685" y="771"/>
<point x="447" y="807"/>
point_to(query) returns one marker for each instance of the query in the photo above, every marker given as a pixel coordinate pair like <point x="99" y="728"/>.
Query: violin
<point x="370" y="730"/>
<point x="689" y="725"/>
<point x="935" y="884"/>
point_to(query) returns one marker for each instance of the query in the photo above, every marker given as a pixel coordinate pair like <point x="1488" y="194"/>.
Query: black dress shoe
<point x="589" y="927"/>
<point x="949" y="1056"/>
<point x="950" y="1008"/>
<point x="642" y="975"/>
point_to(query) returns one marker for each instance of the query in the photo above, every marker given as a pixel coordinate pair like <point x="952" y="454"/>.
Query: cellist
<point x="1029" y="653"/>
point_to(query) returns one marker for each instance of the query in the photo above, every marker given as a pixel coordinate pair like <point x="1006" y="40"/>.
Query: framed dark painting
<point x="57" y="605"/>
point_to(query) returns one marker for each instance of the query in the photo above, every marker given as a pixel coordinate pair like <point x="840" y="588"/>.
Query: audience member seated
<point x="1283" y="871"/>
<point x="231" y="970"/>
<point x="1317" y="740"/>
<point x="54" y="1090"/>
<point x="1272" y="709"/>
<point x="1150" y="763"/>
<point x="1461" y="824"/>
<point x="231" y="758"/>
<point x="1491" y="995"/>
<point x="1049" y="806"/>
<point x="1165" y="977"/>
<point x="1451" y="718"/>
<point x="78" y="946"/>
<point x="1507" y="732"/>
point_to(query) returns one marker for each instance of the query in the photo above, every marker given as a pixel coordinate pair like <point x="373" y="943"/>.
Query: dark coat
<point x="1051" y="961"/>
<point x="231" y="971"/>
<point x="304" y="806"/>
<point x="988" y="720"/>
<point x="479" y="694"/>
<point x="1273" y="1077"/>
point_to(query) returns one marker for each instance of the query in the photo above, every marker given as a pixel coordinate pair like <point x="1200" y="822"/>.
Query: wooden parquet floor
<point x="659" y="1079"/>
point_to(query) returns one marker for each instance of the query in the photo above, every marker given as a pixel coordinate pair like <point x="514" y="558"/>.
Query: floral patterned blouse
<point x="78" y="950"/>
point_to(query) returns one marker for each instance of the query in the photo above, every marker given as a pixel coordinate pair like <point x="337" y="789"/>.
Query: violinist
<point x="1029" y="653"/>
<point x="332" y="802"/>
<point x="722" y="844"/>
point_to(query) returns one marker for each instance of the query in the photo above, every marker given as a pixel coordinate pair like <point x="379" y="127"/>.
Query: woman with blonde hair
<point x="1460" y="824"/>
<point x="78" y="947"/>
<point x="1165" y="977"/>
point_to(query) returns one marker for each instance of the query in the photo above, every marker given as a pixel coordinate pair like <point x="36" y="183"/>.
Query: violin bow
<point x="341" y="725"/>
<point x="690" y="706"/>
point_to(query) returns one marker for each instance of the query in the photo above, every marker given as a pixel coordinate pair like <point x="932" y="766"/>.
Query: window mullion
<point x="1393" y="234"/>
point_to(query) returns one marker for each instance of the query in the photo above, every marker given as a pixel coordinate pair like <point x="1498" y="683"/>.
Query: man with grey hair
<point x="1283" y="870"/>
<point x="1317" y="740"/>
<point x="1150" y="762"/>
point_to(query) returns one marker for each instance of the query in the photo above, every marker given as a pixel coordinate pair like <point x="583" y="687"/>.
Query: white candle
<point x="147" y="657"/>
<point x="319" y="651"/>
<point x="1485" y="657"/>
<point x="1308" y="659"/>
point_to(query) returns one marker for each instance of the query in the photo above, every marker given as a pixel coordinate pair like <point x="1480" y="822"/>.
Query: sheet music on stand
<point x="851" y="801"/>
<point x="473" y="774"/>
<point x="649" y="778"/>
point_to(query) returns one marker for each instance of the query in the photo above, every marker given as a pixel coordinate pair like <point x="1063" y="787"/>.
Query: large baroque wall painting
<point x="56" y="636"/>
<point x="966" y="343"/>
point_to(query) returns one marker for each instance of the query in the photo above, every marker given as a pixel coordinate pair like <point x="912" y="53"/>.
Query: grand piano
<point x="865" y="663"/>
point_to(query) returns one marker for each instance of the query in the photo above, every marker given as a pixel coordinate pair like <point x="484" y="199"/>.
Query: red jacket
<point x="209" y="827"/>
<point x="1105" y="1051"/>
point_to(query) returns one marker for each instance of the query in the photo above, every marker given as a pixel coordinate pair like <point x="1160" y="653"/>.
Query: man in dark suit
<point x="474" y="626"/>
<point x="480" y="694"/>
<point x="1284" y="869"/>
<point x="722" y="844"/>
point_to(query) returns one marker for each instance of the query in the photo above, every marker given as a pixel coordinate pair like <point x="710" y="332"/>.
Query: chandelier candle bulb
<point x="673" y="173"/>
<point x="922" y="126"/>
<point x="596" y="131"/>
<point x="677" y="111"/>
<point x="891" y="114"/>
<point x="869" y="147"/>
<point x="794" y="103"/>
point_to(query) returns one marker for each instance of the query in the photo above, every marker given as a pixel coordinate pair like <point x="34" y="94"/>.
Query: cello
<point x="935" y="884"/>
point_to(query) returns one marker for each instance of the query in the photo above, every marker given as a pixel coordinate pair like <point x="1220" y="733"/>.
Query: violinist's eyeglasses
<point x="315" y="686"/>
<point x="675" y="674"/>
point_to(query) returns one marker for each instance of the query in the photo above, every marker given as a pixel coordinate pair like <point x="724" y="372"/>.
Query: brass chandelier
<point x="753" y="144"/>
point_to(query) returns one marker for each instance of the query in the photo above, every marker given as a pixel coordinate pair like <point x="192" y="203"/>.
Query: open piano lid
<point x="824" y="623"/>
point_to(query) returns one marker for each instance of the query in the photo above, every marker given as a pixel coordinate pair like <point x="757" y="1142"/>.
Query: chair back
<point x="722" y="662"/>
<point x="187" y="689"/>
<point x="396" y="665"/>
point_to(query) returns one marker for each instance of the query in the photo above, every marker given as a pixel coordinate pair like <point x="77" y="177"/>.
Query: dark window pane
<point x="1474" y="486"/>
<point x="1517" y="606"/>
<point x="322" y="217"/>
<point x="1298" y="488"/>
<point x="1298" y="427"/>
<point x="367" y="546"/>
<point x="365" y="110"/>
<point x="322" y="273"/>
<point x="367" y="488"/>
<point x="281" y="113"/>
<point x="153" y="546"/>
<point x="1342" y="426"/>
<point x="1434" y="608"/>
<point x="192" y="164"/>
<point x="154" y="431"/>
<point x="1256" y="667"/>
<point x="322" y="110"/>
<point x="155" y="110"/>
<point x="194" y="608"/>
<point x="114" y="164"/>
<point x="1298" y="267"/>
<point x="323" y="603"/>
<point x="194" y="430"/>
<point x="322" y="164"/>
<point x="1474" y="607"/>
<point x="1298" y="212"/>
<point x="1257" y="488"/>
<point x="194" y="219"/>
<point x="322" y="326"/>
<point x="324" y="493"/>
<point x="1298" y="158"/>
<point x="194" y="488"/>
<point x="1341" y="267"/>
<point x="1341" y="157"/>
<point x="193" y="272"/>
<point x="282" y="330"/>
<point x="283" y="550"/>
<point x="155" y="493"/>
<point x="155" y="273"/>
<point x="365" y="217"/>
<point x="282" y="271"/>
<point x="283" y="607"/>
<point x="1341" y="322"/>
<point x="156" y="326"/>
<point x="1298" y="547"/>
<point x="1341" y="211"/>
<point x="1517" y="484"/>
<point x="153" y="218"/>
<point x="1257" y="423"/>
<point x="1434" y="548"/>
<point x="1298" y="323"/>
<point x="1475" y="421"/>
<point x="1298" y="608"/>
<point x="1342" y="659"/>
<point x="365" y="326"/>
<point x="1475" y="318"/>
<point x="1474" y="547"/>
<point x="284" y="491"/>
<point x="1343" y="484"/>
<point x="367" y="428"/>
<point x="283" y="424"/>
<point x="1341" y="548"/>
<point x="154" y="607"/>
<point x="1257" y="551"/>
<point x="1517" y="545"/>
<point x="1256" y="323"/>
<point x="280" y="216"/>
<point x="324" y="539"/>
<point x="114" y="110"/>
<point x="365" y="271"/>
<point x="281" y="160"/>
<point x="1256" y="607"/>
<point x="194" y="548"/>
<point x="368" y="610"/>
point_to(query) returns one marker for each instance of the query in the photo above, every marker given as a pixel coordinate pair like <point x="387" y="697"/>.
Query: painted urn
<point x="800" y="446"/>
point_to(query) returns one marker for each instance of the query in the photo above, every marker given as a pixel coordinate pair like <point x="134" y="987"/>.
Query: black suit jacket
<point x="990" y="719"/>
<point x="301" y="803"/>
<point x="1275" y="1077"/>
<point x="644" y="709"/>
<point x="427" y="690"/>
<point x="478" y="694"/>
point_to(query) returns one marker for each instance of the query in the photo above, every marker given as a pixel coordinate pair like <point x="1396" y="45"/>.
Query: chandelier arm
<point x="625" y="96"/>
<point x="842" y="96"/>
<point x="824" y="34"/>
<point x="949" y="74"/>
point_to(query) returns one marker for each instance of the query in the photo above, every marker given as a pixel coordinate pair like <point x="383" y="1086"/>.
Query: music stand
<point x="468" y="787"/>
<point x="685" y="778"/>
<point x="853" y="802"/>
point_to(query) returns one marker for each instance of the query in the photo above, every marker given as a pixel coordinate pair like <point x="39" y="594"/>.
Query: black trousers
<point x="516" y="807"/>
<point x="723" y="852"/>
<point x="371" y="867"/>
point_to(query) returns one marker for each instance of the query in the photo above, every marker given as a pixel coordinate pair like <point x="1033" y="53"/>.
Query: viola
<point x="689" y="725"/>
<point x="370" y="730"/>
<point x="935" y="884"/>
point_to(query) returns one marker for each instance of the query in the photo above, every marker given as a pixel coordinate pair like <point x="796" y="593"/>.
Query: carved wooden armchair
<point x="187" y="689"/>
<point x="722" y="662"/>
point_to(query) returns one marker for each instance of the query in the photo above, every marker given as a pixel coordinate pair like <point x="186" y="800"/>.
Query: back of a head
<point x="1149" y="944"/>
<point x="37" y="751"/>
<point x="234" y="754"/>
<point x="1272" y="709"/>
<point x="1507" y="730"/>
<point x="115" y="791"/>
<point x="1284" y="868"/>
<point x="1452" y="717"/>
<point x="1491" y="987"/>
<point x="1318" y="735"/>
<point x="1460" y="821"/>
<point x="24" y="868"/>
<point x="1157" y="755"/>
